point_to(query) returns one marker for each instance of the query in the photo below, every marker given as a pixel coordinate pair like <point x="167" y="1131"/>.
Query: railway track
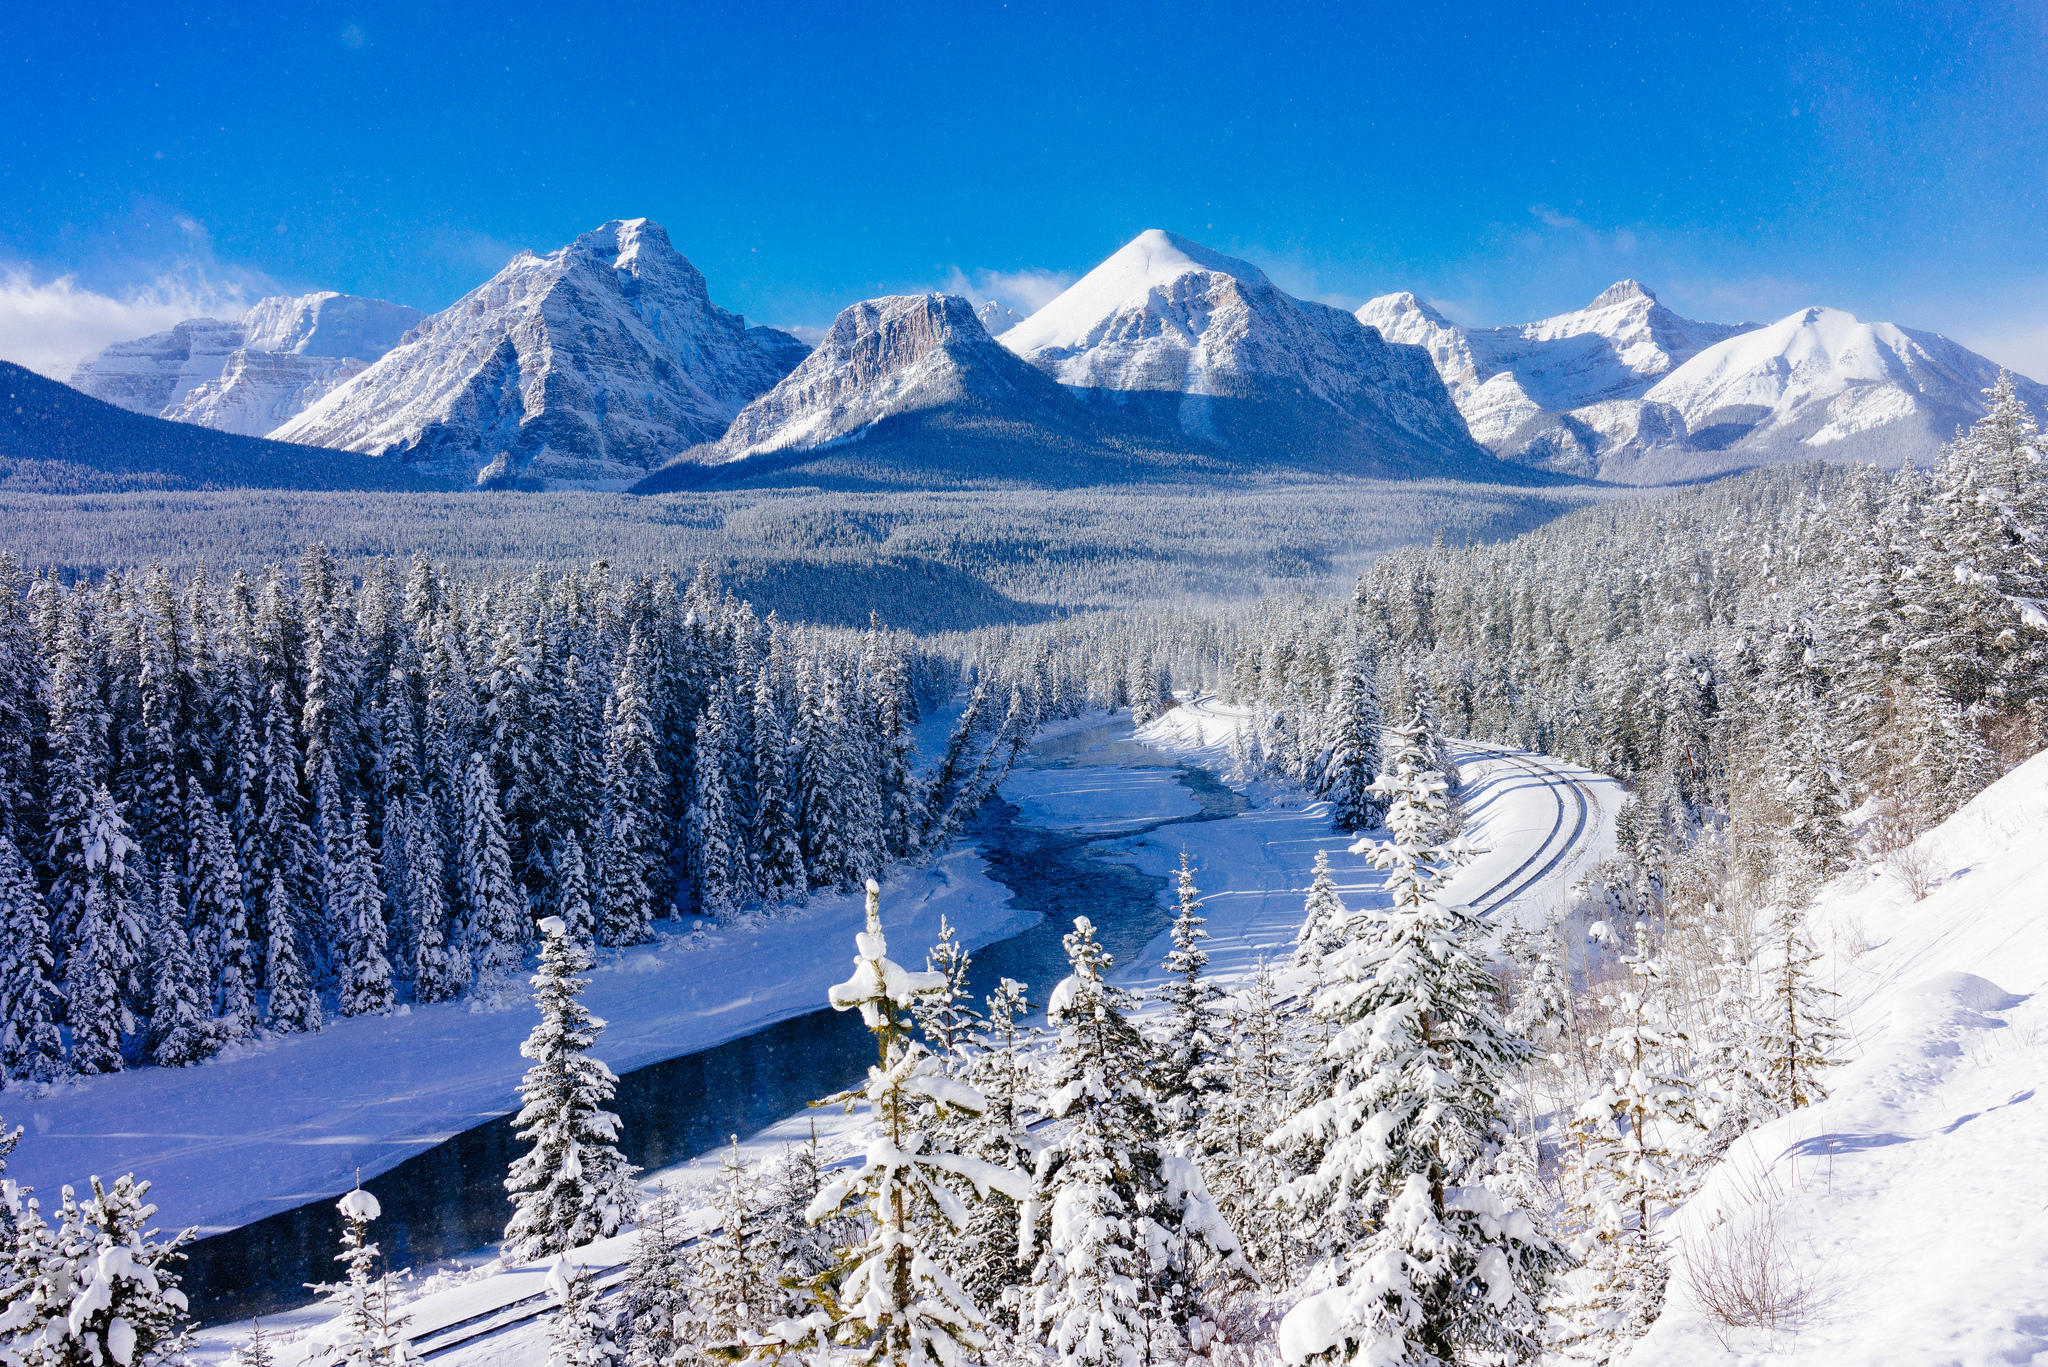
<point x="1554" y="847"/>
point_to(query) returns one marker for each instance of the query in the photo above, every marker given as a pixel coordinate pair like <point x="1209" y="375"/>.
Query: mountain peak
<point x="1622" y="292"/>
<point x="1387" y="308"/>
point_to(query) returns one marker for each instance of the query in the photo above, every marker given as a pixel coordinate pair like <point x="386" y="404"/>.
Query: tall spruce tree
<point x="359" y="910"/>
<point x="179" y="1030"/>
<point x="1429" y="1265"/>
<point x="891" y="1301"/>
<point x="572" y="1186"/>
<point x="31" y="1050"/>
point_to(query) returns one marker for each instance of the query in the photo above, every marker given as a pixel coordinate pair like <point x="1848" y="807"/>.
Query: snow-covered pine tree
<point x="946" y="1017"/>
<point x="1354" y="755"/>
<point x="1817" y="794"/>
<point x="572" y="890"/>
<point x="893" y="711"/>
<point x="1132" y="1234"/>
<point x="1189" y="1072"/>
<point x="776" y="849"/>
<point x="1429" y="1265"/>
<point x="440" y="965"/>
<point x="99" y="1018"/>
<point x="732" y="1284"/>
<point x="718" y="864"/>
<point x="1258" y="1073"/>
<point x="986" y="1255"/>
<point x="359" y="913"/>
<point x="180" y="1032"/>
<point x="1986" y="641"/>
<point x="372" y="1328"/>
<point x="1735" y="1093"/>
<point x="107" y="955"/>
<point x="1322" y="920"/>
<point x="1799" y="1031"/>
<point x="117" y="1297"/>
<point x="254" y="1351"/>
<point x="633" y="785"/>
<point x="954" y="774"/>
<point x="1637" y="1137"/>
<point x="654" y="1304"/>
<point x="31" y="1049"/>
<point x="572" y="1186"/>
<point x="294" y="1005"/>
<point x="794" y="1251"/>
<point x="891" y="1301"/>
<point x="495" y="923"/>
<point x="220" y="922"/>
<point x="579" y="1332"/>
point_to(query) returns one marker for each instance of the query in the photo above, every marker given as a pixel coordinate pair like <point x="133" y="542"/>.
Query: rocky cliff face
<point x="253" y="373"/>
<point x="156" y="372"/>
<point x="589" y="365"/>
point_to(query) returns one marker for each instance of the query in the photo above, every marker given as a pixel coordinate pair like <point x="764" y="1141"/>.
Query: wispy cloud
<point x="1026" y="291"/>
<point x="51" y="324"/>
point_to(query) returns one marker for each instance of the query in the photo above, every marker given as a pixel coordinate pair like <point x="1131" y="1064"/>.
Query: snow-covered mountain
<point x="1820" y="382"/>
<point x="1562" y="392"/>
<point x="1626" y="389"/>
<point x="1205" y="345"/>
<point x="253" y="373"/>
<point x="156" y="372"/>
<point x="591" y="364"/>
<point x="997" y="316"/>
<point x="908" y="388"/>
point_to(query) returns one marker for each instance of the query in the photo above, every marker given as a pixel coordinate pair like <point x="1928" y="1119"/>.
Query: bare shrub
<point x="1742" y="1275"/>
<point x="1913" y="868"/>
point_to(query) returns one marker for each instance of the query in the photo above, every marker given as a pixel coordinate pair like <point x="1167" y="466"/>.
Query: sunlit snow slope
<point x="1912" y="1204"/>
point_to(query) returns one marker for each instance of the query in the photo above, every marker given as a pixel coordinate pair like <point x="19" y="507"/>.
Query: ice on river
<point x="1092" y="798"/>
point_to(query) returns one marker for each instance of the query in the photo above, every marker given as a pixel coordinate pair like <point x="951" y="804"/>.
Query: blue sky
<point x="1506" y="161"/>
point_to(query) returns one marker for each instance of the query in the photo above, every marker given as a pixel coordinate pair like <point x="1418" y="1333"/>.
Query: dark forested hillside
<point x="54" y="439"/>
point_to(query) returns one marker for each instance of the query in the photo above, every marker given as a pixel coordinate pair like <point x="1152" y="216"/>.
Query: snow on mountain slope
<point x="259" y="391"/>
<point x="1820" y="380"/>
<point x="1912" y="1202"/>
<point x="327" y="324"/>
<point x="911" y="390"/>
<point x="1562" y="391"/>
<point x="885" y="357"/>
<point x="589" y="365"/>
<point x="1625" y="389"/>
<point x="252" y="374"/>
<point x="1205" y="344"/>
<point x="155" y="372"/>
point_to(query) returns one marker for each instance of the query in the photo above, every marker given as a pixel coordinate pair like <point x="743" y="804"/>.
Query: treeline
<point x="232" y="805"/>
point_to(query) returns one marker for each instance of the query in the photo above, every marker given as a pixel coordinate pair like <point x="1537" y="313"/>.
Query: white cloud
<point x="1026" y="291"/>
<point x="51" y="325"/>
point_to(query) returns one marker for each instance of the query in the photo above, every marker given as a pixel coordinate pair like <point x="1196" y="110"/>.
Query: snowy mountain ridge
<point x="589" y="365"/>
<point x="1626" y="389"/>
<point x="1211" y="348"/>
<point x="251" y="374"/>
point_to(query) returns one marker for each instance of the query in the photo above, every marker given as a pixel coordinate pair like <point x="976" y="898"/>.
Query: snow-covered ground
<point x="1253" y="870"/>
<point x="1912" y="1204"/>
